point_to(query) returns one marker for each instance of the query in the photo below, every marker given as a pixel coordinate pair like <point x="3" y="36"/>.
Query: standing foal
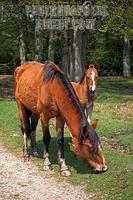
<point x="85" y="89"/>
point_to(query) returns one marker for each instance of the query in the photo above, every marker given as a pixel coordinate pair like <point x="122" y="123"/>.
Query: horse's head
<point x="88" y="149"/>
<point x="91" y="75"/>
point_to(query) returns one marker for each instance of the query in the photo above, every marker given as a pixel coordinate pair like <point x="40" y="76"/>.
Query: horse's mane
<point x="52" y="71"/>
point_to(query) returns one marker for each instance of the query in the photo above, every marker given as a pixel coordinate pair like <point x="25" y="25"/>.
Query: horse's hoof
<point x="26" y="158"/>
<point x="65" y="173"/>
<point x="34" y="153"/>
<point x="47" y="168"/>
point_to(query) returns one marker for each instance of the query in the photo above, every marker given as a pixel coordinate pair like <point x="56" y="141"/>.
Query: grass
<point x="114" y="109"/>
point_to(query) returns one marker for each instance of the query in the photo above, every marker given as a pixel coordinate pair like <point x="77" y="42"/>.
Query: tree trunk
<point x="77" y="43"/>
<point x="66" y="59"/>
<point x="22" y="47"/>
<point x="22" y="27"/>
<point x="83" y="49"/>
<point x="71" y="56"/>
<point x="126" y="57"/>
<point x="38" y="41"/>
<point x="51" y="46"/>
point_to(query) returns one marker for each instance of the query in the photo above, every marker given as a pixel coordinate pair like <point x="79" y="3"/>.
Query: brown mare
<point x="43" y="91"/>
<point x="85" y="89"/>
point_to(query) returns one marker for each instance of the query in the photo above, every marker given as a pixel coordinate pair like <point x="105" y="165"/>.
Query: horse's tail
<point x="17" y="73"/>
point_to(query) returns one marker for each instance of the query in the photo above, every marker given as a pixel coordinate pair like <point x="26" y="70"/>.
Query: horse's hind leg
<point x="60" y="141"/>
<point x="24" y="115"/>
<point x="46" y="141"/>
<point x="34" y="122"/>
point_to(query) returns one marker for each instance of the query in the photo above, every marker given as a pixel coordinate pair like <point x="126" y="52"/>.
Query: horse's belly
<point x="27" y="95"/>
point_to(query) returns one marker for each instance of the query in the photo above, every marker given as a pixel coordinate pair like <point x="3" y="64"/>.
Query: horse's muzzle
<point x="100" y="170"/>
<point x="92" y="89"/>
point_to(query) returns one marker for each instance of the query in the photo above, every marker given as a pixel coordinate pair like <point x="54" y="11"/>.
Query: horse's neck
<point x="70" y="111"/>
<point x="84" y="85"/>
<point x="91" y="97"/>
<point x="73" y="118"/>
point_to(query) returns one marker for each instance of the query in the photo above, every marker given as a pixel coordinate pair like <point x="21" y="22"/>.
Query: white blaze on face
<point x="93" y="81"/>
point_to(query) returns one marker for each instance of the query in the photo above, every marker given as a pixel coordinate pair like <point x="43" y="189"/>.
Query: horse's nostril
<point x="92" y="91"/>
<point x="105" y="168"/>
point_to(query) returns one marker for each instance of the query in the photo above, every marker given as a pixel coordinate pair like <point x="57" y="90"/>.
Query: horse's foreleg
<point x="60" y="142"/>
<point x="34" y="122"/>
<point x="46" y="141"/>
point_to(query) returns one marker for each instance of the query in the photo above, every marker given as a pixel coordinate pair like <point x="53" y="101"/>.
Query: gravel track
<point x="24" y="181"/>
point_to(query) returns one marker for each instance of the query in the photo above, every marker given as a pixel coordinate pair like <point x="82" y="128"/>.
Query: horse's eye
<point x="87" y="77"/>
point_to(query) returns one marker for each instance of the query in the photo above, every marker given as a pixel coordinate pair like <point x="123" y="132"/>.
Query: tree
<point x="77" y="43"/>
<point x="126" y="57"/>
<point x="119" y="23"/>
<point x="38" y="41"/>
<point x="66" y="57"/>
<point x="51" y="46"/>
<point x="22" y="24"/>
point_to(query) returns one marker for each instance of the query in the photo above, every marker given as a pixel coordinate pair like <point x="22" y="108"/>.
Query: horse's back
<point x="32" y="67"/>
<point x="28" y="80"/>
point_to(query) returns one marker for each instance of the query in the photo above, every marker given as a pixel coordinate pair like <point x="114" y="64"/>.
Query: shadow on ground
<point x="70" y="158"/>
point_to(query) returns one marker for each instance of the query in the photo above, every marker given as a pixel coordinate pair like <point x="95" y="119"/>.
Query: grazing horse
<point x="85" y="89"/>
<point x="43" y="91"/>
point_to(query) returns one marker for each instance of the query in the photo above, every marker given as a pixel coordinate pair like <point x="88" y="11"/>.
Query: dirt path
<point x="23" y="181"/>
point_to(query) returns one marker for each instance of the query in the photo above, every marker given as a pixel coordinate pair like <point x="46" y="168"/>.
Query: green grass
<point x="8" y="116"/>
<point x="113" y="108"/>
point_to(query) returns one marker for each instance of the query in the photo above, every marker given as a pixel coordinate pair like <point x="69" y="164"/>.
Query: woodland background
<point x="110" y="45"/>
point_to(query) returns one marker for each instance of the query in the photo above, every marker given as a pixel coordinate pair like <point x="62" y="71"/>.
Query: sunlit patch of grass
<point x="114" y="108"/>
<point x="115" y="91"/>
<point x="112" y="121"/>
<point x="126" y="141"/>
<point x="8" y="116"/>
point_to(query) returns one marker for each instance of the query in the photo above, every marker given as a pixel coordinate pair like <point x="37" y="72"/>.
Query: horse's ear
<point x="86" y="66"/>
<point x="93" y="123"/>
<point x="97" y="66"/>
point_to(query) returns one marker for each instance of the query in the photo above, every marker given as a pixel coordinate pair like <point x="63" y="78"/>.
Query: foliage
<point x="104" y="45"/>
<point x="119" y="20"/>
<point x="105" y="49"/>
